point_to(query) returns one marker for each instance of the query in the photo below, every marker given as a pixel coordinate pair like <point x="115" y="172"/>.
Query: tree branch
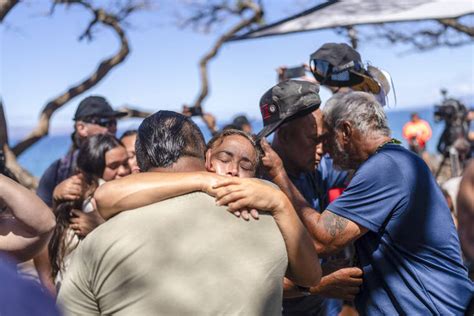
<point x="133" y="112"/>
<point x="100" y="17"/>
<point x="23" y="176"/>
<point x="445" y="32"/>
<point x="241" y="7"/>
<point x="458" y="26"/>
<point x="5" y="8"/>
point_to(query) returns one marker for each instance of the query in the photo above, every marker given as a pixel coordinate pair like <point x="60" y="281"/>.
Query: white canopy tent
<point x="358" y="12"/>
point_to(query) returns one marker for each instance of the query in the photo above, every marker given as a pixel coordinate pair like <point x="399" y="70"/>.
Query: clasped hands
<point x="244" y="196"/>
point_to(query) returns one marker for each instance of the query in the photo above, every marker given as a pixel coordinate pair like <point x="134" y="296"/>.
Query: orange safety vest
<point x="420" y="130"/>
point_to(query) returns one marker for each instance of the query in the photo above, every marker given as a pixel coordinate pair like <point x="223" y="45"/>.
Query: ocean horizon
<point x="39" y="156"/>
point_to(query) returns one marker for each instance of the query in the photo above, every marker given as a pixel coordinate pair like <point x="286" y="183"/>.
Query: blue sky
<point x="41" y="57"/>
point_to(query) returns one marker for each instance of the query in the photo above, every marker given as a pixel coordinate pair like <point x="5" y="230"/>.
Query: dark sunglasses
<point x="324" y="71"/>
<point x="102" y="121"/>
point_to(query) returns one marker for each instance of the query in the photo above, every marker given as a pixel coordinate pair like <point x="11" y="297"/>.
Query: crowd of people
<point x="333" y="217"/>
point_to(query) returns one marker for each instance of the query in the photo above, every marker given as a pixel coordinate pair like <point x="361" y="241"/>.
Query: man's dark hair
<point x="166" y="136"/>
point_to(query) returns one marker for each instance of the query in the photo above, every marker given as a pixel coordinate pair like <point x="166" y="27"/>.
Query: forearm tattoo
<point x="333" y="223"/>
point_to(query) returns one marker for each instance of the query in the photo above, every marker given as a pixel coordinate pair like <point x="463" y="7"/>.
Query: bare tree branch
<point x="445" y="32"/>
<point x="100" y="16"/>
<point x="210" y="15"/>
<point x="134" y="112"/>
<point x="351" y="33"/>
<point x="455" y="24"/>
<point x="5" y="7"/>
<point x="23" y="176"/>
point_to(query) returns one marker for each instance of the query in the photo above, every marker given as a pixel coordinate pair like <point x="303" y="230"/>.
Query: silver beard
<point x="341" y="158"/>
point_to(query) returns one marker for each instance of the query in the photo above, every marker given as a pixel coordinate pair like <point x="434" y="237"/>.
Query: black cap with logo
<point x="286" y="101"/>
<point x="96" y="106"/>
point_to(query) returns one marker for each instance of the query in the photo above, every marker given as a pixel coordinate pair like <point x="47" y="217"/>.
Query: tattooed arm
<point x="332" y="232"/>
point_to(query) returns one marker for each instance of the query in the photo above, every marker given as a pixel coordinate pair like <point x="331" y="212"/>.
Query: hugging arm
<point x="330" y="232"/>
<point x="239" y="193"/>
<point x="141" y="189"/>
<point x="27" y="223"/>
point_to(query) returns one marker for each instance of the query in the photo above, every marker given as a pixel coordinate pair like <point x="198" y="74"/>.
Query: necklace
<point x="391" y="141"/>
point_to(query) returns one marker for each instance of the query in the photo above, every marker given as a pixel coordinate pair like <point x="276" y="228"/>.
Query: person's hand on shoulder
<point x="83" y="223"/>
<point x="244" y="196"/>
<point x="208" y="180"/>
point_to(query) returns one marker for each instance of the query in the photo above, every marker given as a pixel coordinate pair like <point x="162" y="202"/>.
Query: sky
<point x="41" y="57"/>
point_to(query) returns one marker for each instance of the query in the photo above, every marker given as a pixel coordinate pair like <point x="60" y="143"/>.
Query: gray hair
<point x="359" y="108"/>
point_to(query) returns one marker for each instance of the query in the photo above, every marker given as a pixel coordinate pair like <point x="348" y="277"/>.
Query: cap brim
<point x="267" y="130"/>
<point x="114" y="114"/>
<point x="368" y="83"/>
<point x="381" y="76"/>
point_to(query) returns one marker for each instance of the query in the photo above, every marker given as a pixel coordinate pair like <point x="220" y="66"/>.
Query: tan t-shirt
<point x="182" y="256"/>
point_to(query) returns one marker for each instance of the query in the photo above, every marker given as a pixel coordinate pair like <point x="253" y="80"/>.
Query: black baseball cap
<point x="341" y="58"/>
<point x="96" y="106"/>
<point x="286" y="101"/>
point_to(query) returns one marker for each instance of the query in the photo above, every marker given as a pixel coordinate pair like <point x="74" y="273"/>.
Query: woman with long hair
<point x="101" y="158"/>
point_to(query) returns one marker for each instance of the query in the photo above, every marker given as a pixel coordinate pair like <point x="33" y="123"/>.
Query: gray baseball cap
<point x="286" y="101"/>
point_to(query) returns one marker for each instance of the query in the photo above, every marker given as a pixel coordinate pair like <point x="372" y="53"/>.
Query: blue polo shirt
<point x="411" y="255"/>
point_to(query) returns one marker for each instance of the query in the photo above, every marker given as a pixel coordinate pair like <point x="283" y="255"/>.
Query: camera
<point x="450" y="111"/>
<point x="454" y="114"/>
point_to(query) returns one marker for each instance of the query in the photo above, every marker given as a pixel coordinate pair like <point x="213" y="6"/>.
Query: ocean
<point x="38" y="157"/>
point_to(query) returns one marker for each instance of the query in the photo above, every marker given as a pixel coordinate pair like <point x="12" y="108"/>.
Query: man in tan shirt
<point x="184" y="255"/>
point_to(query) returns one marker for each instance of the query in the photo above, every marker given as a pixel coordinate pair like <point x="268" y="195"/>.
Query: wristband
<point x="303" y="290"/>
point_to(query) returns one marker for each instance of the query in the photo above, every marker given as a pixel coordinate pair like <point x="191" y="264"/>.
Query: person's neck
<point x="374" y="142"/>
<point x="183" y="164"/>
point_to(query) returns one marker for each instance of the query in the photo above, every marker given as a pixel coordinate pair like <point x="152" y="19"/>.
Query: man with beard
<point x="406" y="240"/>
<point x="393" y="209"/>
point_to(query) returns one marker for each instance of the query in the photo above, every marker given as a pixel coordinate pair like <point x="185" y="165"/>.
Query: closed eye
<point x="224" y="156"/>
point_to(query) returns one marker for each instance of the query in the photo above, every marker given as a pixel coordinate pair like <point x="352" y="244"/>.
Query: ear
<point x="208" y="161"/>
<point x="347" y="131"/>
<point x="81" y="129"/>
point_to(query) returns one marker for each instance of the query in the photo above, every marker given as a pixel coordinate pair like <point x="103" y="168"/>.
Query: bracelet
<point x="303" y="290"/>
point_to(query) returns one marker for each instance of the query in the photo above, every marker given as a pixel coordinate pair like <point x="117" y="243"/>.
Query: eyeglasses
<point x="324" y="71"/>
<point x="102" y="121"/>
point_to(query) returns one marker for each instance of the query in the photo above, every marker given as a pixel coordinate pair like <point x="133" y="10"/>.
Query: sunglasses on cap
<point x="323" y="69"/>
<point x="101" y="121"/>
